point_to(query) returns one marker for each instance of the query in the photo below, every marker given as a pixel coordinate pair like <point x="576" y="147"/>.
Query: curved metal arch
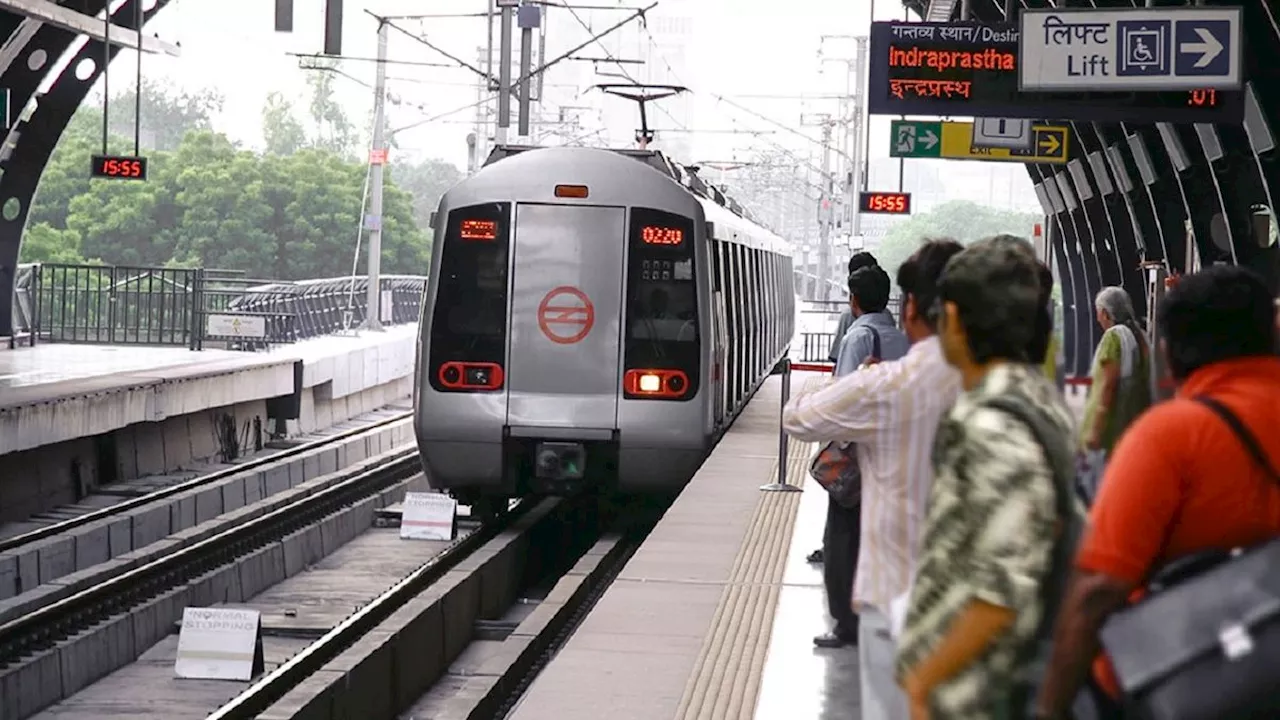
<point x="26" y="58"/>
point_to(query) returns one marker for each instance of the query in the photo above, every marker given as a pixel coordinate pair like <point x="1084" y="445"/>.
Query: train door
<point x="566" y="301"/>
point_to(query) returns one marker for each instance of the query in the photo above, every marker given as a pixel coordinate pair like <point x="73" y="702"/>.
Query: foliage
<point x="426" y="181"/>
<point x="959" y="219"/>
<point x="291" y="213"/>
<point x="281" y="131"/>
<point x="166" y="117"/>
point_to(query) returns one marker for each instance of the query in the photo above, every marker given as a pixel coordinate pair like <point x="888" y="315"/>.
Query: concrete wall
<point x="37" y="480"/>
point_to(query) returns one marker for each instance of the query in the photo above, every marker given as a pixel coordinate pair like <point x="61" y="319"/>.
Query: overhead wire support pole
<point x="548" y="65"/>
<point x="137" y="92"/>
<point x="378" y="159"/>
<point x="530" y="17"/>
<point x="431" y="45"/>
<point x="106" y="73"/>
<point x="507" y="8"/>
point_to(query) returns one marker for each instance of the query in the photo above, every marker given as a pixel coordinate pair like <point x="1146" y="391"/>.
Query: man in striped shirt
<point x="891" y="410"/>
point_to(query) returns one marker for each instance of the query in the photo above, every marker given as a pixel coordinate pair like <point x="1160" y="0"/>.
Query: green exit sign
<point x="915" y="139"/>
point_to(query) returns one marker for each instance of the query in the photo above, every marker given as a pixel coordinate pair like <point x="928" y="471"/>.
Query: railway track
<point x="149" y="598"/>
<point x="54" y="561"/>
<point x="557" y="554"/>
<point x="17" y="542"/>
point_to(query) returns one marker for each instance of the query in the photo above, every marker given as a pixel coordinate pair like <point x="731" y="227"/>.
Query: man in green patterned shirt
<point x="976" y="603"/>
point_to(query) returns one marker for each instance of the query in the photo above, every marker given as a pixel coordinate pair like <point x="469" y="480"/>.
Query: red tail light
<point x="656" y="384"/>
<point x="471" y="376"/>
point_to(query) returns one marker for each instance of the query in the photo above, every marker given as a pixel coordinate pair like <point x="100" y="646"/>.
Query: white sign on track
<point x="1173" y="48"/>
<point x="428" y="516"/>
<point x="219" y="644"/>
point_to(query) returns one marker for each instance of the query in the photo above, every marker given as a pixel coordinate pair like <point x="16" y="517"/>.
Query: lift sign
<point x="885" y="203"/>
<point x="118" y="167"/>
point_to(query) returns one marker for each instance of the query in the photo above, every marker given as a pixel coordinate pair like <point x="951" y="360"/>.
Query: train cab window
<point x="662" y="328"/>
<point x="469" y="320"/>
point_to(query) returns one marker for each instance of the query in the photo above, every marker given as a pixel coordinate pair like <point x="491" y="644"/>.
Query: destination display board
<point x="970" y="69"/>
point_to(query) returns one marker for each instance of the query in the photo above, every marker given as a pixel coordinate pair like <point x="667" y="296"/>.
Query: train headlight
<point x="649" y="383"/>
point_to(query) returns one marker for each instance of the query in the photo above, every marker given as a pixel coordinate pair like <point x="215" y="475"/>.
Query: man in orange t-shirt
<point x="1179" y="481"/>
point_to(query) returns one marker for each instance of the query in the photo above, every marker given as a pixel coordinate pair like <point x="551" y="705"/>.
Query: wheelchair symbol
<point x="1144" y="48"/>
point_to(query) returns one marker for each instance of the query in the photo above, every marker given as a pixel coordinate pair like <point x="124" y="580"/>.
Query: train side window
<point x="469" y="319"/>
<point x="662" y="325"/>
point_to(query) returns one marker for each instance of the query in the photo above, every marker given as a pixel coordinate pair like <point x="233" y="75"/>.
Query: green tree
<point x="45" y="243"/>
<point x="166" y="116"/>
<point x="210" y="203"/>
<point x="425" y="182"/>
<point x="333" y="130"/>
<point x="281" y="130"/>
<point x="959" y="219"/>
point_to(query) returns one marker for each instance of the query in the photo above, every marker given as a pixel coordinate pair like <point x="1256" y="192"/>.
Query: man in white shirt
<point x="891" y="410"/>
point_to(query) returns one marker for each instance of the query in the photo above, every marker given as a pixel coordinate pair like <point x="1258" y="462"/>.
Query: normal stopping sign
<point x="566" y="315"/>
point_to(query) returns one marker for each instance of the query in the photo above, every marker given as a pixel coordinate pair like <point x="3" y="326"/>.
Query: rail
<point x="785" y="368"/>
<point x="47" y="531"/>
<point x="195" y="307"/>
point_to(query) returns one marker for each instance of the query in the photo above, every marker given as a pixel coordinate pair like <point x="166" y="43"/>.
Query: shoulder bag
<point x="835" y="467"/>
<point x="1204" y="644"/>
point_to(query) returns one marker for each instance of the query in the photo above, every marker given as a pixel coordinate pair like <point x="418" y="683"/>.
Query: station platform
<point x="714" y="617"/>
<point x="152" y="405"/>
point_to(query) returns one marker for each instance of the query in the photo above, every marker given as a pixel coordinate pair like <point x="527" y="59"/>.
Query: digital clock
<point x="654" y="235"/>
<point x="885" y="203"/>
<point x="118" y="167"/>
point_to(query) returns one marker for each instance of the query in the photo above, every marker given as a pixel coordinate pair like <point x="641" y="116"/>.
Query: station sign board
<point x="1130" y="49"/>
<point x="972" y="70"/>
<point x="954" y="141"/>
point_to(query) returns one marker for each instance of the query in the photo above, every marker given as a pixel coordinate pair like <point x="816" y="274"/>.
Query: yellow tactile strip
<point x="725" y="681"/>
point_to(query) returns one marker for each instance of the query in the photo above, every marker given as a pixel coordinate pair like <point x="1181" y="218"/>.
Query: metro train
<point x="594" y="318"/>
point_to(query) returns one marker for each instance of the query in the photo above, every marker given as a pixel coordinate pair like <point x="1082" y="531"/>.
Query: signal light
<point x="572" y="191"/>
<point x="655" y="384"/>
<point x="471" y="376"/>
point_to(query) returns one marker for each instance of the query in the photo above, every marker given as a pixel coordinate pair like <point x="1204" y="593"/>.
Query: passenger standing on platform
<point x="1180" y="480"/>
<point x="989" y="531"/>
<point x="858" y="261"/>
<point x="872" y="337"/>
<point x="1043" y="351"/>
<point x="891" y="410"/>
<point x="1120" y="382"/>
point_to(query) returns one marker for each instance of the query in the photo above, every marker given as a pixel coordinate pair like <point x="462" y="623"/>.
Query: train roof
<point x="686" y="175"/>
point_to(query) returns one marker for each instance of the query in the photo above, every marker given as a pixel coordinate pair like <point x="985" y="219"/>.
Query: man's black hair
<point x="1039" y="347"/>
<point x="1221" y="313"/>
<point x="918" y="276"/>
<point x="995" y="285"/>
<point x="870" y="287"/>
<point x="861" y="260"/>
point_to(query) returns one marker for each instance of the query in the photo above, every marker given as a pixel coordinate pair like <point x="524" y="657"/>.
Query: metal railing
<point x="195" y="307"/>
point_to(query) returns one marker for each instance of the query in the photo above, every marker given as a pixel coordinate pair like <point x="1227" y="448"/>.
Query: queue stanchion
<point x="780" y="483"/>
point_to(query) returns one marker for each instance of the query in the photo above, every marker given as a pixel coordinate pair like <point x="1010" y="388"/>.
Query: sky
<point x="745" y="61"/>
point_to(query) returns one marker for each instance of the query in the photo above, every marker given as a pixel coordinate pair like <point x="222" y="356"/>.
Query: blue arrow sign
<point x="1201" y="48"/>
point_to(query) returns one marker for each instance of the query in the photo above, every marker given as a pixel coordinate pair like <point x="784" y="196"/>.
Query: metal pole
<point x="780" y="484"/>
<point x="824" y="210"/>
<point x="504" y="74"/>
<point x="106" y="75"/>
<point x="373" y="315"/>
<point x="859" y="159"/>
<point x="526" y="64"/>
